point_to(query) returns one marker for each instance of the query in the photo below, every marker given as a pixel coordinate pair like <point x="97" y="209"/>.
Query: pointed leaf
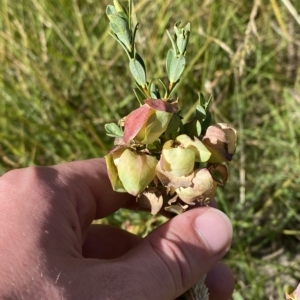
<point x="176" y="68"/>
<point x="154" y="92"/>
<point x="174" y="127"/>
<point x="170" y="56"/>
<point x="111" y="11"/>
<point x="112" y="129"/>
<point x="120" y="28"/>
<point x="138" y="72"/>
<point x="193" y="128"/>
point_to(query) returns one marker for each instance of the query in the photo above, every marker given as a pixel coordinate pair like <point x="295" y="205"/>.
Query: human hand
<point x="50" y="250"/>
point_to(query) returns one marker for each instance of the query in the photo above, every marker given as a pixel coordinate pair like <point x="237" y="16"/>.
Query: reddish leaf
<point x="158" y="104"/>
<point x="135" y="121"/>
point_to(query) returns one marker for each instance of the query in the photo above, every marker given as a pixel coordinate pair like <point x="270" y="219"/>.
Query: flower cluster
<point x="159" y="159"/>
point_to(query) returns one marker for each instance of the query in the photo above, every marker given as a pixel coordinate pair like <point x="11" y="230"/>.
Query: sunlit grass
<point x="63" y="77"/>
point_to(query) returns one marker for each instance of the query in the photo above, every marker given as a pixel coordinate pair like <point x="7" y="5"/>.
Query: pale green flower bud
<point x="201" y="152"/>
<point x="136" y="171"/>
<point x="111" y="164"/>
<point x="119" y="7"/>
<point x="129" y="171"/>
<point x="178" y="161"/>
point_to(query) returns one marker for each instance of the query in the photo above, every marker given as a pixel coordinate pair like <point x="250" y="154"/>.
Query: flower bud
<point x="119" y="7"/>
<point x="148" y="123"/>
<point x="179" y="157"/>
<point x="111" y="164"/>
<point x="201" y="152"/>
<point x="178" y="161"/>
<point x="129" y="171"/>
<point x="182" y="37"/>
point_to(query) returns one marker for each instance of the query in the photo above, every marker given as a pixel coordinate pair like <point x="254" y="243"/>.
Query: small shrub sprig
<point x="158" y="158"/>
<point x="166" y="163"/>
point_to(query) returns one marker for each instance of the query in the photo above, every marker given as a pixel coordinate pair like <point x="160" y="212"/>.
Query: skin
<point x="50" y="250"/>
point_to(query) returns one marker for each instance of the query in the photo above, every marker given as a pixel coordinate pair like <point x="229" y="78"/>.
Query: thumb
<point x="177" y="254"/>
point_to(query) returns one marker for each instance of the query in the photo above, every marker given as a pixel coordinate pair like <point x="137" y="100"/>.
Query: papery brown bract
<point x="220" y="140"/>
<point x="203" y="188"/>
<point x="151" y="200"/>
<point x="170" y="181"/>
<point x="219" y="170"/>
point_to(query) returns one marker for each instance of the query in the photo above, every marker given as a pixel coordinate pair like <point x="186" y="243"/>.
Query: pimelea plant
<point x="166" y="163"/>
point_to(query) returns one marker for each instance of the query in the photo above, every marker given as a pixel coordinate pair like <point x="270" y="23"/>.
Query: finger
<point x="220" y="282"/>
<point x="108" y="242"/>
<point x="177" y="254"/>
<point x="92" y="175"/>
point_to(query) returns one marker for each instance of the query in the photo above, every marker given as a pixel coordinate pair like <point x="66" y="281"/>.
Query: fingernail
<point x="215" y="228"/>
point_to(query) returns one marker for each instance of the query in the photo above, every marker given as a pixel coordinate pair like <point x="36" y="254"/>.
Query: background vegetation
<point x="63" y="77"/>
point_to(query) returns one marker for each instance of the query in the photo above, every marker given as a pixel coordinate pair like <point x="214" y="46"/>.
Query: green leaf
<point x="174" y="128"/>
<point x="139" y="93"/>
<point x="173" y="42"/>
<point x="120" y="28"/>
<point x="164" y="87"/>
<point x="206" y="122"/>
<point x="200" y="110"/>
<point x="201" y="99"/>
<point x="112" y="129"/>
<point x="154" y="92"/>
<point x="203" y="102"/>
<point x="176" y="68"/>
<point x="182" y="37"/>
<point x="111" y="11"/>
<point x="138" y="72"/>
<point x="140" y="60"/>
<point x="193" y="129"/>
<point x="170" y="56"/>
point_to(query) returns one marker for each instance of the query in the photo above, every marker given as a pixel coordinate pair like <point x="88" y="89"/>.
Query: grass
<point x="63" y="77"/>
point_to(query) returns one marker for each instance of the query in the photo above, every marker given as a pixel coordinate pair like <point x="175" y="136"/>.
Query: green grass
<point x="63" y="77"/>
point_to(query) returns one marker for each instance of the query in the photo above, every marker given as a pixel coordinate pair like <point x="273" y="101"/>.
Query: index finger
<point x="91" y="176"/>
